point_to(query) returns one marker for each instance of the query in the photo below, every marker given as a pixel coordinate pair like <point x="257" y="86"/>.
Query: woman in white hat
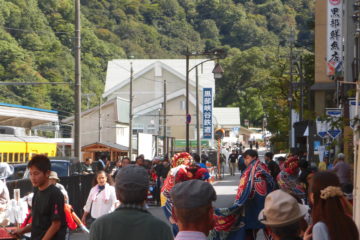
<point x="282" y="215"/>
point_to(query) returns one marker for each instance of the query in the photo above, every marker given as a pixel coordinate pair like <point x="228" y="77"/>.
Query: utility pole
<point x="164" y="120"/>
<point x="100" y="102"/>
<point x="290" y="97"/>
<point x="187" y="101"/>
<point x="77" y="132"/>
<point x="130" y="110"/>
<point x="301" y="89"/>
<point x="356" y="76"/>
<point x="197" y="113"/>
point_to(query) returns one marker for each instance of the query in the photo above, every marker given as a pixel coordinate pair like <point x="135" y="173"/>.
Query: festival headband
<point x="331" y="191"/>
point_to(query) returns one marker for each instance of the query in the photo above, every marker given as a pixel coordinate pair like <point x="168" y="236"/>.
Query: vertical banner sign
<point x="335" y="114"/>
<point x="207" y="113"/>
<point x="352" y="108"/>
<point x="321" y="128"/>
<point x="334" y="37"/>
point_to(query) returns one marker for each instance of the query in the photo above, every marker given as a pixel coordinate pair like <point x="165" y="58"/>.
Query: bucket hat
<point x="281" y="209"/>
<point x="54" y="175"/>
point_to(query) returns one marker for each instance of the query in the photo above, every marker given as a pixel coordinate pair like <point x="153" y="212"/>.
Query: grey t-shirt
<point x="342" y="170"/>
<point x="320" y="232"/>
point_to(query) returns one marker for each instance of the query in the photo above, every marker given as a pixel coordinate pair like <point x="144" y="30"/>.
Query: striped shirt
<point x="190" y="235"/>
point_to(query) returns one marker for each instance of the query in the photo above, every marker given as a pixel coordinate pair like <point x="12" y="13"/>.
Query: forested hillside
<point x="36" y="44"/>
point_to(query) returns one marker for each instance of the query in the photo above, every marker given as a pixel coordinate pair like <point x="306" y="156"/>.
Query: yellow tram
<point x="16" y="149"/>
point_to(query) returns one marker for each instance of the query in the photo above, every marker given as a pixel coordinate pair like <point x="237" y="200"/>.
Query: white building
<point x="149" y="76"/>
<point x="228" y="118"/>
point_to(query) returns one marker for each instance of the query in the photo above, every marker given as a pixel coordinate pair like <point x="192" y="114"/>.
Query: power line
<point x="34" y="31"/>
<point x="30" y="83"/>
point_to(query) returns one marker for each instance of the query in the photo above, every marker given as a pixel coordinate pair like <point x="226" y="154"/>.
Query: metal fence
<point x="77" y="186"/>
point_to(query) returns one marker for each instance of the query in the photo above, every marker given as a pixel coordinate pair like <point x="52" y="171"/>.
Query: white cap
<point x="341" y="156"/>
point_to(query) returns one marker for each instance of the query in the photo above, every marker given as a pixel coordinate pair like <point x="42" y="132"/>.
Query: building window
<point x="136" y="131"/>
<point x="151" y="127"/>
<point x="168" y="131"/>
<point x="182" y="105"/>
<point x="121" y="131"/>
<point x="138" y="128"/>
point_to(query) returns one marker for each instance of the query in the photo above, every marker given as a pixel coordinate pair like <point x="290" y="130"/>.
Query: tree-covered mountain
<point x="37" y="40"/>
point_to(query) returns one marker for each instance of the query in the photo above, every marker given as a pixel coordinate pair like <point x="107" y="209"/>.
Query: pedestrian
<point x="165" y="170"/>
<point x="121" y="164"/>
<point x="282" y="215"/>
<point x="241" y="163"/>
<point x="131" y="220"/>
<point x="196" y="158"/>
<point x="86" y="167"/>
<point x="272" y="165"/>
<point x="140" y="160"/>
<point x="342" y="170"/>
<point x="193" y="209"/>
<point x="48" y="217"/>
<point x="257" y="146"/>
<point x="101" y="200"/>
<point x="204" y="156"/>
<point x="304" y="173"/>
<point x="99" y="165"/>
<point x="255" y="184"/>
<point x="288" y="179"/>
<point x="5" y="171"/>
<point x="157" y="168"/>
<point x="281" y="161"/>
<point x="330" y="222"/>
<point x="183" y="170"/>
<point x="232" y="162"/>
<point x="55" y="180"/>
<point x="323" y="165"/>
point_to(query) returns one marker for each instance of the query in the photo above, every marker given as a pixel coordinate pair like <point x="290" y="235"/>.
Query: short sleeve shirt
<point x="47" y="206"/>
<point x="342" y="170"/>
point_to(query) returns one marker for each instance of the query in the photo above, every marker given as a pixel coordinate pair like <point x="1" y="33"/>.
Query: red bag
<point x="68" y="216"/>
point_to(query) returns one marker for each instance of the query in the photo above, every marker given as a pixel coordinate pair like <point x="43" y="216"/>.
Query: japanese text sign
<point x="207" y="113"/>
<point x="334" y="36"/>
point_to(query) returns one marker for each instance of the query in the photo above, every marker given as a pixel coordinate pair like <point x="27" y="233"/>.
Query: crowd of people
<point x="286" y="199"/>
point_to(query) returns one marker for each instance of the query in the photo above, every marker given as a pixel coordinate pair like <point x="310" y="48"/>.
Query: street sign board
<point x="352" y="110"/>
<point x="207" y="113"/>
<point x="334" y="132"/>
<point x="334" y="114"/>
<point x="321" y="128"/>
<point x="322" y="134"/>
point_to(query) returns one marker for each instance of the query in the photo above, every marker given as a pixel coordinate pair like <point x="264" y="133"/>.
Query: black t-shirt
<point x="47" y="206"/>
<point x="233" y="157"/>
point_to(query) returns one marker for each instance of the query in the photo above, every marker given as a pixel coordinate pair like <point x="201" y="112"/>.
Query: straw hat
<point x="53" y="175"/>
<point x="281" y="209"/>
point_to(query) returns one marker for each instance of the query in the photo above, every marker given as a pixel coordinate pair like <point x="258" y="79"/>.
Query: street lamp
<point x="217" y="71"/>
